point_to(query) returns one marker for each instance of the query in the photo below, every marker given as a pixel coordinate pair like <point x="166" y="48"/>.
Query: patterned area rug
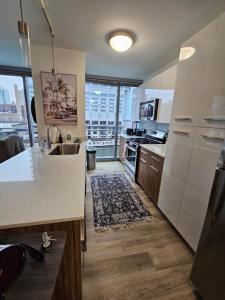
<point x="115" y="203"/>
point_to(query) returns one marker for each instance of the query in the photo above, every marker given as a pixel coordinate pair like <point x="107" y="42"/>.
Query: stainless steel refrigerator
<point x="208" y="271"/>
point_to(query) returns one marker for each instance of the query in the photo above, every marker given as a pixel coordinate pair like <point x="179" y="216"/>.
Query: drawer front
<point x="156" y="161"/>
<point x="143" y="153"/>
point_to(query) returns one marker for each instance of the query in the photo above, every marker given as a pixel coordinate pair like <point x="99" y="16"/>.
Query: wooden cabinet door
<point x="149" y="172"/>
<point x="142" y="170"/>
<point x="154" y="175"/>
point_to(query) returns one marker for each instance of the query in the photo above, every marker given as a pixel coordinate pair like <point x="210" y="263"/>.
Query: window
<point x="106" y="112"/>
<point x="94" y="108"/>
<point x="15" y="116"/>
<point x="110" y="122"/>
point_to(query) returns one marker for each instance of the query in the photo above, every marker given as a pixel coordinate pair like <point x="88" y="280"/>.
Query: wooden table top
<point x="38" y="280"/>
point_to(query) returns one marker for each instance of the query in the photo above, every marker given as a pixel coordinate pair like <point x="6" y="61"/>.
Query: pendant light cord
<point x="21" y="9"/>
<point x="53" y="54"/>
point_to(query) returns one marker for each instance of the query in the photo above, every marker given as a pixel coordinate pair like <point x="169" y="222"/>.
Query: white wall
<point x="66" y="61"/>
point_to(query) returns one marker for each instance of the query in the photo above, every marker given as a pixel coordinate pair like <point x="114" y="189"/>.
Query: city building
<point x="4" y="96"/>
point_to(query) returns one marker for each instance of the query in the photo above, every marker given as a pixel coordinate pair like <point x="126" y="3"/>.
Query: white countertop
<point x="159" y="149"/>
<point x="36" y="188"/>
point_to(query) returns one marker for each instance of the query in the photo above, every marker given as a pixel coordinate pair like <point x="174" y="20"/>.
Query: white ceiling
<point x="160" y="26"/>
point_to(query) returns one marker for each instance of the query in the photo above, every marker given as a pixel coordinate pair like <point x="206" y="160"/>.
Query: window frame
<point x="109" y="82"/>
<point x="24" y="73"/>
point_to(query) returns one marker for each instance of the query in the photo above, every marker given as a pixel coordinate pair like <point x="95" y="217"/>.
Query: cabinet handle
<point x="213" y="137"/>
<point x="181" y="132"/>
<point x="185" y="118"/>
<point x="144" y="152"/>
<point x="143" y="160"/>
<point x="220" y="119"/>
<point x="155" y="159"/>
<point x="154" y="169"/>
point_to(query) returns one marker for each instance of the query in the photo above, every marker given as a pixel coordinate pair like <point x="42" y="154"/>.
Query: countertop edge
<point x="158" y="149"/>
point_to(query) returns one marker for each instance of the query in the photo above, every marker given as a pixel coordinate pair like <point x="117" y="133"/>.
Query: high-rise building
<point x="4" y="96"/>
<point x="20" y="102"/>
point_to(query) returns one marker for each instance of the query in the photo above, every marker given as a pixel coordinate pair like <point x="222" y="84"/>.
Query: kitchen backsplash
<point x="149" y="125"/>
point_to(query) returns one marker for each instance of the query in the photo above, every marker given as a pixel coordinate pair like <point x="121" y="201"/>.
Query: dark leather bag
<point x="12" y="261"/>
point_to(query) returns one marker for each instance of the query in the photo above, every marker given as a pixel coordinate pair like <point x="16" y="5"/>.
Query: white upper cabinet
<point x="162" y="87"/>
<point x="166" y="95"/>
<point x="195" y="78"/>
<point x="205" y="154"/>
<point x="212" y="110"/>
<point x="152" y="88"/>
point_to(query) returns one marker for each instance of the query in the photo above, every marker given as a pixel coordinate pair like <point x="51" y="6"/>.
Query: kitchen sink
<point x="66" y="149"/>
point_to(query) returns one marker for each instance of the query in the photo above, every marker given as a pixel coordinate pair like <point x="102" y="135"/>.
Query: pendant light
<point x="54" y="73"/>
<point x="24" y="40"/>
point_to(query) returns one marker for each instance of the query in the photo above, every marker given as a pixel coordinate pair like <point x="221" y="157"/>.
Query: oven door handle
<point x="132" y="149"/>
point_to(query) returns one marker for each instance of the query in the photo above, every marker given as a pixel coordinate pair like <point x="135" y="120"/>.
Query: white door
<point x="204" y="157"/>
<point x="175" y="168"/>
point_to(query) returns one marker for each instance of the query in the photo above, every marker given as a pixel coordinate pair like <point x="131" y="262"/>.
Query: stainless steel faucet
<point x="48" y="136"/>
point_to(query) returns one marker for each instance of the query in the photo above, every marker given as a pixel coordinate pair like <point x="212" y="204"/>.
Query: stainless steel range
<point x="155" y="137"/>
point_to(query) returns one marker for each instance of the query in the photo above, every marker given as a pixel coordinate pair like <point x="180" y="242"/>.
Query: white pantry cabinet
<point x="204" y="157"/>
<point x="198" y="109"/>
<point x="195" y="77"/>
<point x="175" y="169"/>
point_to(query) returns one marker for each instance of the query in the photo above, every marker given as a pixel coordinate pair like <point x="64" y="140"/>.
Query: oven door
<point x="131" y="157"/>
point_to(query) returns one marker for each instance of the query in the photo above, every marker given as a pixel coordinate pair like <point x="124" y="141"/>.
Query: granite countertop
<point x="37" y="188"/>
<point x="159" y="149"/>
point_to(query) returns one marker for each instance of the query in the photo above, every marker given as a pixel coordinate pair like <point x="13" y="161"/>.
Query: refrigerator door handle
<point x="217" y="195"/>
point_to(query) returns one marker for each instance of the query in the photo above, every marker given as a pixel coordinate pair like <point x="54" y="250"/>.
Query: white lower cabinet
<point x="204" y="157"/>
<point x="170" y="196"/>
<point x="175" y="169"/>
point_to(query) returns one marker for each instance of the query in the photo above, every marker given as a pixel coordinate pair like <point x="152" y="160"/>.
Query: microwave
<point x="148" y="110"/>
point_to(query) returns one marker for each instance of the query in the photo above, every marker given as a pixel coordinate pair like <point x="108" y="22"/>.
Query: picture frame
<point x="60" y="106"/>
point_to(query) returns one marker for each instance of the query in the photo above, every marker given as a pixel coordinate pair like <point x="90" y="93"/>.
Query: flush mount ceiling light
<point x="186" y="52"/>
<point x="121" y="41"/>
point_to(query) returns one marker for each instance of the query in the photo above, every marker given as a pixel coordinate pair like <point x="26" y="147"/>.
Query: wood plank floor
<point x="146" y="262"/>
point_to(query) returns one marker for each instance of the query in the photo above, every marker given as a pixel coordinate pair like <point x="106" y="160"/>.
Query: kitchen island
<point x="41" y="192"/>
